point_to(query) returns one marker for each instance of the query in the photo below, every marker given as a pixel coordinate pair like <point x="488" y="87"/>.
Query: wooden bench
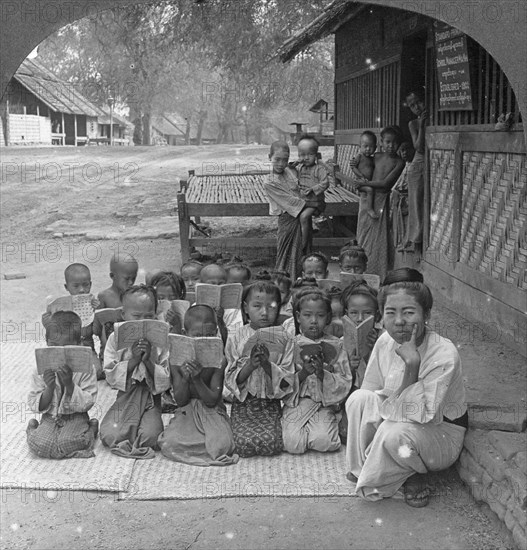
<point x="235" y="194"/>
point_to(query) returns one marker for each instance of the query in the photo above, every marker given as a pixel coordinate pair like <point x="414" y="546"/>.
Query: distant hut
<point x="41" y="109"/>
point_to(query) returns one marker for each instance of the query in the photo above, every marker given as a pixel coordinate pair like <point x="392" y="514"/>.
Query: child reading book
<point x="373" y="233"/>
<point x="169" y="287"/>
<point x="257" y="378"/>
<point x="190" y="273"/>
<point x="63" y="398"/>
<point x="229" y="318"/>
<point x="315" y="265"/>
<point x="363" y="166"/>
<point x="352" y="258"/>
<point x="140" y="373"/>
<point x="200" y="432"/>
<point x="322" y="380"/>
<point x="359" y="303"/>
<point x="313" y="180"/>
<point x="78" y="283"/>
<point x="290" y="324"/>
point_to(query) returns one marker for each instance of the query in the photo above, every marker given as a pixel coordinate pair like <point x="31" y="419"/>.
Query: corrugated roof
<point x="334" y="16"/>
<point x="117" y="119"/>
<point x="57" y="94"/>
<point x="166" y="127"/>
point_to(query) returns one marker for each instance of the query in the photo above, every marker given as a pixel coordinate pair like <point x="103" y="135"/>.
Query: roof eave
<point x="337" y="14"/>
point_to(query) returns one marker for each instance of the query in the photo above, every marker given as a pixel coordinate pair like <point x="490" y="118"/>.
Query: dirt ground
<point x="110" y="192"/>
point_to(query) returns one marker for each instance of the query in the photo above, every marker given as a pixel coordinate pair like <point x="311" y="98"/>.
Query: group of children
<point x="285" y="393"/>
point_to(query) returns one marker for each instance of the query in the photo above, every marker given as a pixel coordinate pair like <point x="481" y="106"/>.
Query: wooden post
<point x="75" y="127"/>
<point x="63" y="131"/>
<point x="457" y="201"/>
<point x="184" y="227"/>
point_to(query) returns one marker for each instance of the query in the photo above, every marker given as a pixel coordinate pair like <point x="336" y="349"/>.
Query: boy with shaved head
<point x="200" y="431"/>
<point x="78" y="281"/>
<point x="123" y="272"/>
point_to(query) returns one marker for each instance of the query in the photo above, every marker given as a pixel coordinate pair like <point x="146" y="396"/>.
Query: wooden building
<point x="41" y="109"/>
<point x="475" y="241"/>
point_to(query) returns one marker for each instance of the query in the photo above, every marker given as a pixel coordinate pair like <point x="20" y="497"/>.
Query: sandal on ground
<point x="416" y="491"/>
<point x="351" y="477"/>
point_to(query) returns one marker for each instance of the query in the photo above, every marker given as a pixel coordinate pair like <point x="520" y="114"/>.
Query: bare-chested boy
<point x="123" y="272"/>
<point x="388" y="164"/>
<point x="363" y="166"/>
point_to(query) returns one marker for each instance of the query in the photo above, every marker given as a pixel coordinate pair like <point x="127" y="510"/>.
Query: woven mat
<point x="310" y="475"/>
<point x="19" y="467"/>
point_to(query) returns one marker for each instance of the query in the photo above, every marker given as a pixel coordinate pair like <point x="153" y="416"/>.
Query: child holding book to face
<point x="359" y="301"/>
<point x="63" y="398"/>
<point x="200" y="432"/>
<point x="214" y="274"/>
<point x="290" y="324"/>
<point x="322" y="380"/>
<point x="169" y="286"/>
<point x="140" y="373"/>
<point x="257" y="379"/>
<point x="363" y="166"/>
<point x="78" y="281"/>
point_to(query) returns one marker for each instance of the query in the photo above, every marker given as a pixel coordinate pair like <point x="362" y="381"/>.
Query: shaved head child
<point x="140" y="373"/>
<point x="199" y="433"/>
<point x="77" y="279"/>
<point x="63" y="398"/>
<point x="123" y="273"/>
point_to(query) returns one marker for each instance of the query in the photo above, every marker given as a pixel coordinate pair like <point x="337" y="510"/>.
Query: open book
<point x="329" y="284"/>
<point x="128" y="332"/>
<point x="227" y="296"/>
<point x="371" y="279"/>
<point x="80" y="304"/>
<point x="274" y="338"/>
<point x="356" y="336"/>
<point x="78" y="358"/>
<point x="327" y="351"/>
<point x="207" y="350"/>
<point x="108" y="315"/>
<point x="178" y="306"/>
<point x="190" y="296"/>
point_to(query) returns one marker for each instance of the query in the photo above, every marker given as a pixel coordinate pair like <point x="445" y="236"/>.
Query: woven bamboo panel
<point x="244" y="189"/>
<point x="494" y="216"/>
<point x="345" y="153"/>
<point x="441" y="202"/>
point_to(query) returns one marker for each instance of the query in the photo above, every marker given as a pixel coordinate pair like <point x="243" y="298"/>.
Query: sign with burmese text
<point x="455" y="92"/>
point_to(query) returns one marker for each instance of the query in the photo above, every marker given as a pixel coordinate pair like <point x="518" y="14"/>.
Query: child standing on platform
<point x="257" y="383"/>
<point x="322" y="380"/>
<point x="286" y="202"/>
<point x="63" y="398"/>
<point x="373" y="234"/>
<point x="200" y="432"/>
<point x="141" y="374"/>
<point x="363" y="166"/>
<point x="313" y="180"/>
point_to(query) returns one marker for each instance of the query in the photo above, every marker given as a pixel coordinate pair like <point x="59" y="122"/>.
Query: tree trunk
<point x="187" y="131"/>
<point x="201" y="123"/>
<point x="147" y="138"/>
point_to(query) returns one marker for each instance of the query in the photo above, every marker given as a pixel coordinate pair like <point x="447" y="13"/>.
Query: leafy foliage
<point x="211" y="60"/>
